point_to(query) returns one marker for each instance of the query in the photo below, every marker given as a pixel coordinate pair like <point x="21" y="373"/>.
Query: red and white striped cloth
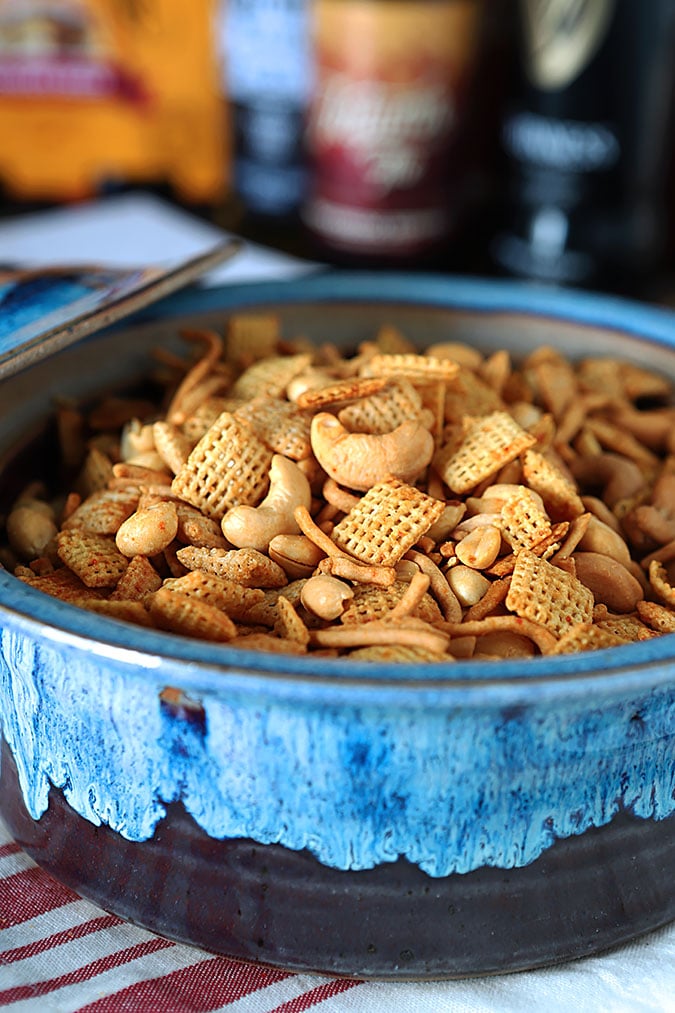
<point x="61" y="953"/>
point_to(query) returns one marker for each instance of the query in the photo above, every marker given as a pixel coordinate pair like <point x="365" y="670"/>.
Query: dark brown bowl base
<point x="268" y="904"/>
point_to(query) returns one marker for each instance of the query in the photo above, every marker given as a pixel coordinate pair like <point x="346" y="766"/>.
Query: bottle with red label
<point x="392" y="84"/>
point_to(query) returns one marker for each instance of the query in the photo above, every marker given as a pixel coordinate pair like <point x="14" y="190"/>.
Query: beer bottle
<point x="391" y="88"/>
<point x="586" y="140"/>
<point x="267" y="80"/>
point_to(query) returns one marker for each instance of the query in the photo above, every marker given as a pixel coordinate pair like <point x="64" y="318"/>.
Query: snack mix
<point x="390" y="505"/>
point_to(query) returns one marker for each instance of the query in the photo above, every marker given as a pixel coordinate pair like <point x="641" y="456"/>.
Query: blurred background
<point x="520" y="138"/>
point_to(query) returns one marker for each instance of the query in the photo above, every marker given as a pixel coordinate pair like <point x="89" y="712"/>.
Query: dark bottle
<point x="267" y="82"/>
<point x="392" y="83"/>
<point x="586" y="141"/>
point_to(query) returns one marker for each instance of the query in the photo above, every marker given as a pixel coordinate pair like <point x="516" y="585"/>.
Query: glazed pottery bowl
<point x="355" y="818"/>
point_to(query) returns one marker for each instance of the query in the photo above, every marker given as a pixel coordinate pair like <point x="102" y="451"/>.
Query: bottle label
<point x="391" y="83"/>
<point x="562" y="37"/>
<point x="86" y="99"/>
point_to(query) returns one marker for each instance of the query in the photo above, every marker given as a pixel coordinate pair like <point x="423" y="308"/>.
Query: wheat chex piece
<point x="558" y="492"/>
<point x="383" y="412"/>
<point x="523" y="522"/>
<point x="269" y="643"/>
<point x="203" y="417"/>
<point x="93" y="557"/>
<point x="138" y="580"/>
<point x="658" y="617"/>
<point x="237" y="601"/>
<point x="62" y="584"/>
<point x="391" y="341"/>
<point x="128" y="611"/>
<point x="172" y="445"/>
<point x="247" y="567"/>
<point x="658" y="578"/>
<point x="252" y="336"/>
<point x="386" y="522"/>
<point x="388" y="654"/>
<point x="419" y="369"/>
<point x="196" y="529"/>
<point x="104" y="511"/>
<point x="469" y="394"/>
<point x="189" y="617"/>
<point x="280" y="425"/>
<point x="370" y="602"/>
<point x="547" y="595"/>
<point x="489" y="444"/>
<point x="586" y="637"/>
<point x="96" y="471"/>
<point x="229" y="466"/>
<point x="270" y="376"/>
<point x="628" y="627"/>
<point x="289" y="625"/>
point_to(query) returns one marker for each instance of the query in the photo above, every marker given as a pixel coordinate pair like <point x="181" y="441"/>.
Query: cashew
<point x="325" y="596"/>
<point x="361" y="460"/>
<point x="255" y="527"/>
<point x="609" y="581"/>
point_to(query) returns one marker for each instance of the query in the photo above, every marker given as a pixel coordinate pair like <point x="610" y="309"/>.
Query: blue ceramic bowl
<point x="407" y="821"/>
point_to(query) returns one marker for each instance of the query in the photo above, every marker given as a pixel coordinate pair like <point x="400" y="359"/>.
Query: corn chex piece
<point x="383" y="412"/>
<point x="489" y="444"/>
<point x="586" y="637"/>
<point x="548" y="595"/>
<point x="93" y="557"/>
<point x="370" y="602"/>
<point x="188" y="616"/>
<point x="386" y="522"/>
<point x="229" y="466"/>
<point x="279" y="424"/>
<point x="62" y="584"/>
<point x="341" y="392"/>
<point x="555" y="488"/>
<point x="228" y="596"/>
<point x="247" y="567"/>
<point x="104" y="511"/>
<point x="270" y="376"/>
<point x="138" y="580"/>
<point x="523" y="522"/>
<point x="252" y="336"/>
<point x="416" y="368"/>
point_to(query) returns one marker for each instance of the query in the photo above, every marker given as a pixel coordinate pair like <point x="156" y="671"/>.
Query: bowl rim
<point x="208" y="668"/>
